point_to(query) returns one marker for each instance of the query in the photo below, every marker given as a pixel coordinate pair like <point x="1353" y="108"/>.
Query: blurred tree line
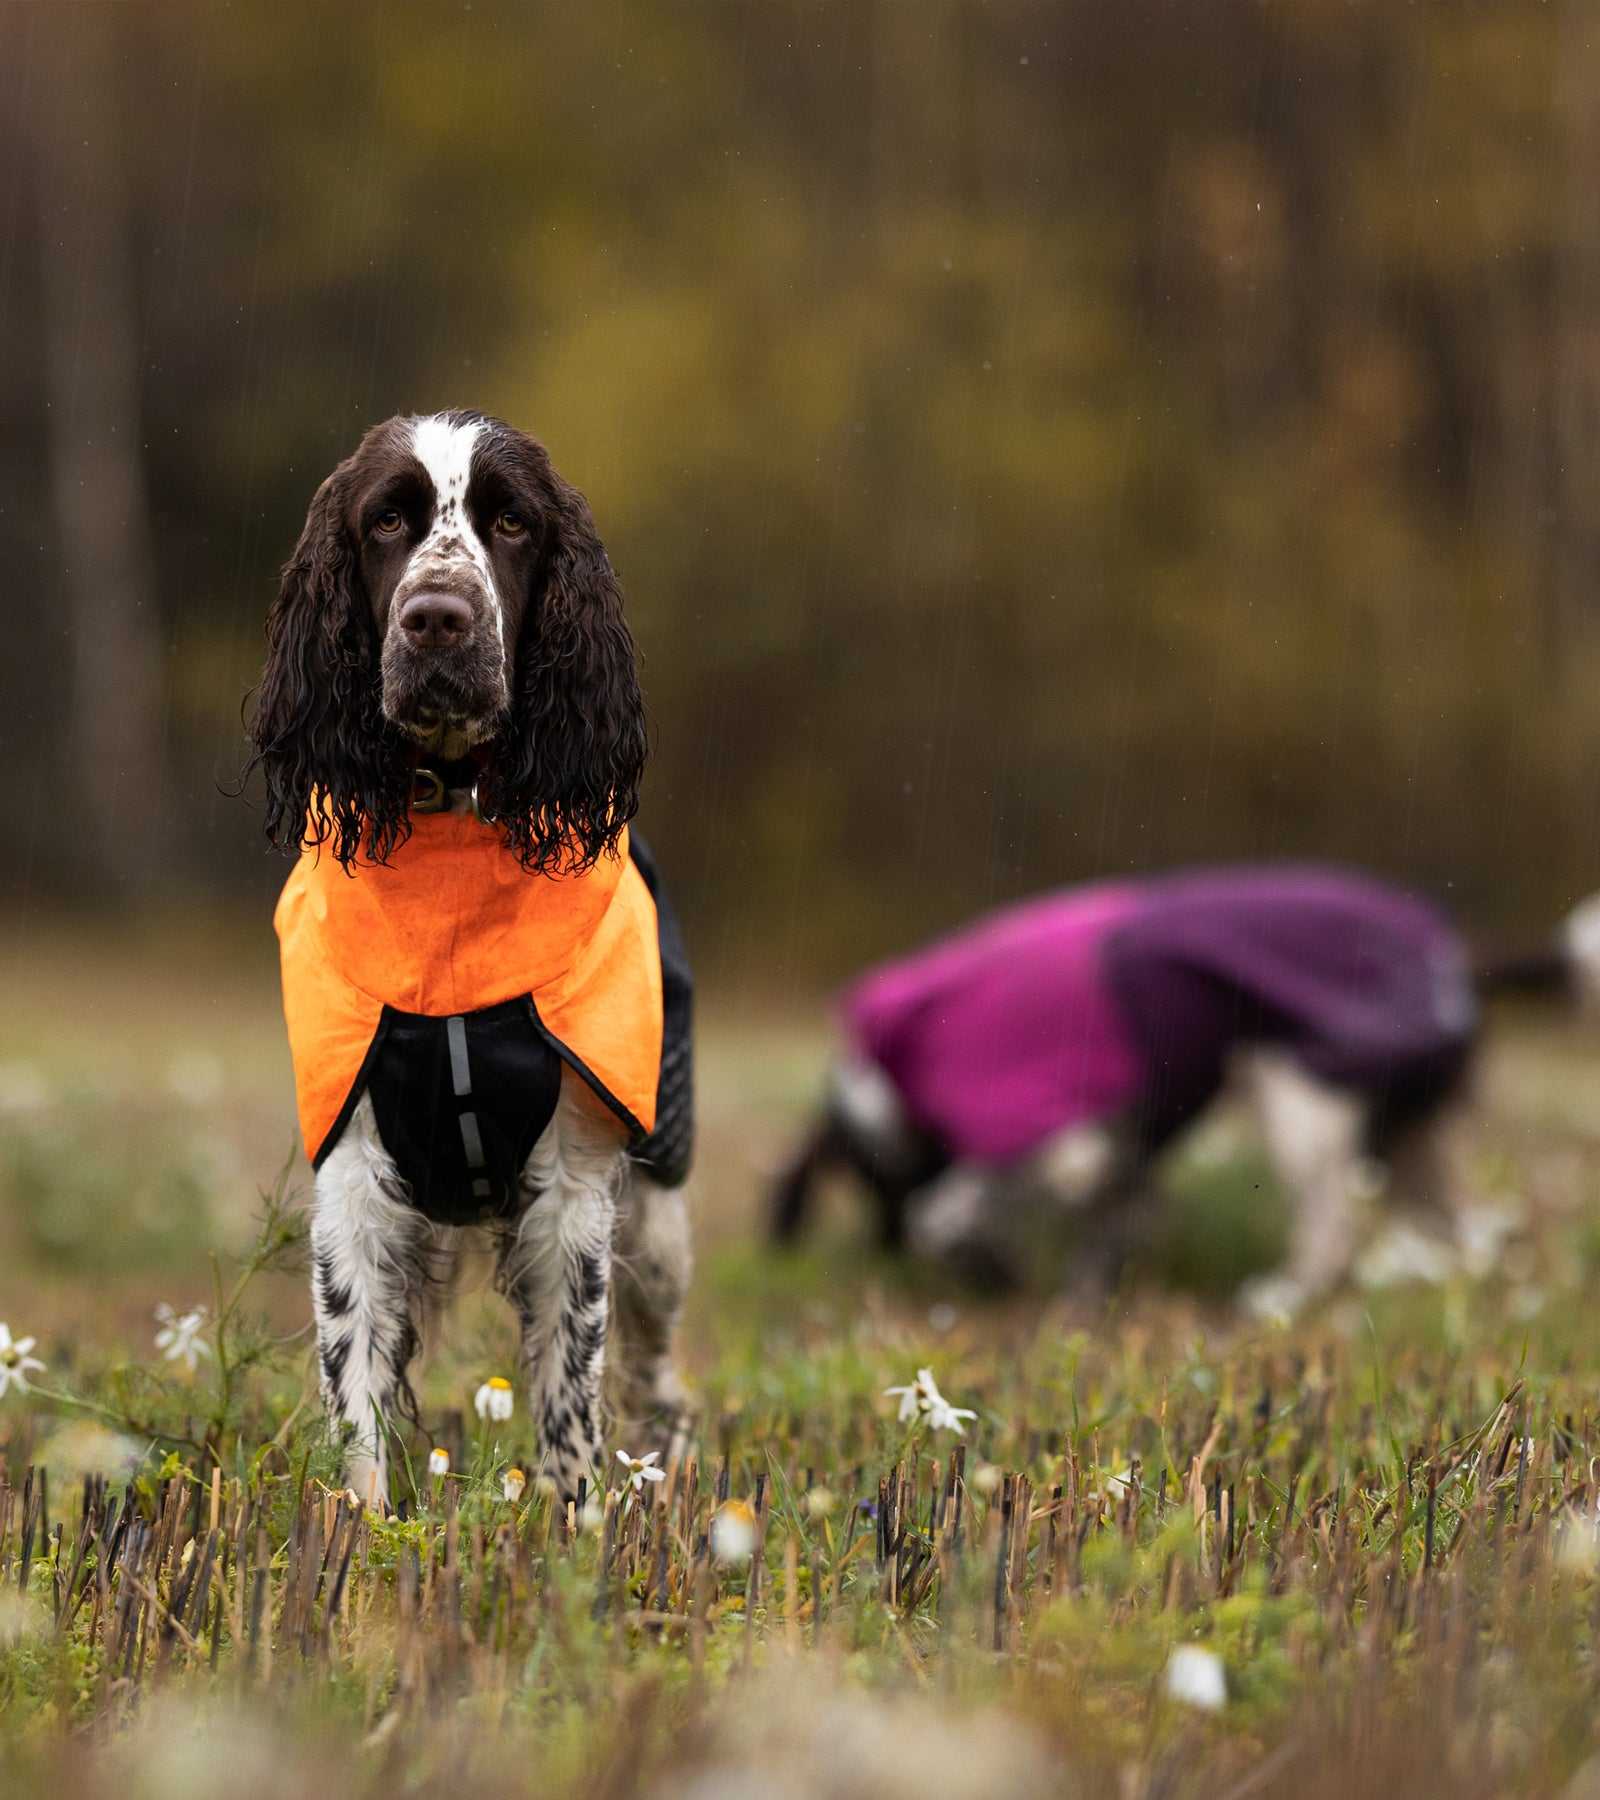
<point x="1036" y="439"/>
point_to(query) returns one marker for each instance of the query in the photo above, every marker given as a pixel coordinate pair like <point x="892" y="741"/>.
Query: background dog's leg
<point x="1314" y="1134"/>
<point x="653" y="1261"/>
<point x="1079" y="1206"/>
<point x="1430" y="1184"/>
<point x="793" y="1189"/>
<point x="373" y="1261"/>
<point x="959" y="1221"/>
<point x="556" y="1269"/>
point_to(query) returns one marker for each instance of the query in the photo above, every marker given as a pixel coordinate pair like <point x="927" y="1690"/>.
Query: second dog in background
<point x="1004" y="1093"/>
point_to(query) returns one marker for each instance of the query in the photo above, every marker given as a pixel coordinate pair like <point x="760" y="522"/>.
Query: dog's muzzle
<point x="444" y="676"/>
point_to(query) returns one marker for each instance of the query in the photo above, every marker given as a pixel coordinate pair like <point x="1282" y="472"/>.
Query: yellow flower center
<point x="500" y="1384"/>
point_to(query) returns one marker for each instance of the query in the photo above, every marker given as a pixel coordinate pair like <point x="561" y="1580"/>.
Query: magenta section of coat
<point x="1007" y="1032"/>
<point x="1128" y="1000"/>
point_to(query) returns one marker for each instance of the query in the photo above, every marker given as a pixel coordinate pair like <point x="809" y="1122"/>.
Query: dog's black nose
<point x="435" y="621"/>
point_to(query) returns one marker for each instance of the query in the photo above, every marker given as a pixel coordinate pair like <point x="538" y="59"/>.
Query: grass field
<point x="1377" y="1530"/>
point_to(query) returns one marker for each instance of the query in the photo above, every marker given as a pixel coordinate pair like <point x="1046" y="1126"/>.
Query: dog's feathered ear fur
<point x="333" y="771"/>
<point x="569" y="764"/>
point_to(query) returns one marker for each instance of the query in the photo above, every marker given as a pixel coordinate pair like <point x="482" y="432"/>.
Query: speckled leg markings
<point x="376" y="1264"/>
<point x="653" y="1262"/>
<point x="556" y="1269"/>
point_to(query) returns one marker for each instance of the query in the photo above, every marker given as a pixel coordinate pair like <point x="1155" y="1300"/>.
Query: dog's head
<point x="449" y="596"/>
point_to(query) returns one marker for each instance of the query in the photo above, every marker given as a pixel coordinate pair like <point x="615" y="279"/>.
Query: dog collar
<point x="433" y="784"/>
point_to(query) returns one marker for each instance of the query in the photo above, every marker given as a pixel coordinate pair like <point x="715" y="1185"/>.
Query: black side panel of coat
<point x="668" y="1151"/>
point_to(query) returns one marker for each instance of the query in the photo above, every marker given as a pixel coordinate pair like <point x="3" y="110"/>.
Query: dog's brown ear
<point x="318" y="729"/>
<point x="575" y="751"/>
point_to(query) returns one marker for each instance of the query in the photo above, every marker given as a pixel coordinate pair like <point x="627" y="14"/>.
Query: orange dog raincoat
<point x="450" y="986"/>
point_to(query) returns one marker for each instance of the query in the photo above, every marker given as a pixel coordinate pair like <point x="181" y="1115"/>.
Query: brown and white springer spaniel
<point x="450" y="598"/>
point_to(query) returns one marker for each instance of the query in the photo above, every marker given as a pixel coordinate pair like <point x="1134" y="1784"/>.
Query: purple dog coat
<point x="1125" y="1000"/>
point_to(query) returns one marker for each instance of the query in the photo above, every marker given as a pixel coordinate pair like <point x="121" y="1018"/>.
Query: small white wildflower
<point x="1197" y="1678"/>
<point x="438" y="1461"/>
<point x="733" y="1532"/>
<point x="641" y="1469"/>
<point x="512" y="1484"/>
<point x="84" y="1447"/>
<point x="1576" y="1548"/>
<point x="15" y="1362"/>
<point x="819" y="1503"/>
<point x="910" y="1400"/>
<point x="179" y="1338"/>
<point x="984" y="1479"/>
<point x="20" y="1617"/>
<point x="494" y="1400"/>
<point x="593" y="1515"/>
<point x="922" y="1399"/>
<point x="945" y="1417"/>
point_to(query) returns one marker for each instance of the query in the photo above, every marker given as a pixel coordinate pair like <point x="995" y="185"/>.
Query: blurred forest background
<point x="1036" y="439"/>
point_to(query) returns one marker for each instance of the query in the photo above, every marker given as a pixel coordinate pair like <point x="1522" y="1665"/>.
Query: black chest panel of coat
<point x="460" y="1103"/>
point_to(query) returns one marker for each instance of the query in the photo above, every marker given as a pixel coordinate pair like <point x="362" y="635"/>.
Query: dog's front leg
<point x="653" y="1263"/>
<point x="375" y="1261"/>
<point x="556" y="1270"/>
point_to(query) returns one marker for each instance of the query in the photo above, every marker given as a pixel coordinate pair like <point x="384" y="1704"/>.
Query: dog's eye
<point x="510" y="524"/>
<point x="388" y="522"/>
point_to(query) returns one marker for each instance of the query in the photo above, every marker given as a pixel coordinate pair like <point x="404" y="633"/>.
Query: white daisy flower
<point x="922" y="1399"/>
<point x="438" y="1461"/>
<point x="21" y="1617"/>
<point x="15" y="1362"/>
<point x="512" y="1484"/>
<point x="945" y="1417"/>
<point x="179" y="1338"/>
<point x="1197" y="1678"/>
<point x="733" y="1532"/>
<point x="985" y="1479"/>
<point x="641" y="1469"/>
<point x="494" y="1400"/>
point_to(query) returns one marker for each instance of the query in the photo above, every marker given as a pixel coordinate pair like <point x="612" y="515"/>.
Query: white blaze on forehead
<point x="444" y="447"/>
